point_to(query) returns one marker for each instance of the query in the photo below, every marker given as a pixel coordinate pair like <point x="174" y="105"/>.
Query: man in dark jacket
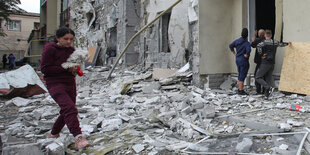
<point x="242" y="53"/>
<point x="257" y="58"/>
<point x="267" y="49"/>
<point x="4" y="60"/>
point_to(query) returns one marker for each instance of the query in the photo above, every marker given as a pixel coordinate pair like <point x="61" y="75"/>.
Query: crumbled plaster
<point x="82" y="16"/>
<point x="179" y="34"/>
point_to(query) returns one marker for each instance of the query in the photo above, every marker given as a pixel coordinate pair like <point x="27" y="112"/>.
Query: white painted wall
<point x="220" y="22"/>
<point x="296" y="26"/>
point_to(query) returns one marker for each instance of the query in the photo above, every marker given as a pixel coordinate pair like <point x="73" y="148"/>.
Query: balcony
<point x="65" y="17"/>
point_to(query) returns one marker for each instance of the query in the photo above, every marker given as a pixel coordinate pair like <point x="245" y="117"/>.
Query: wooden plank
<point x="159" y="73"/>
<point x="295" y="75"/>
<point x="92" y="51"/>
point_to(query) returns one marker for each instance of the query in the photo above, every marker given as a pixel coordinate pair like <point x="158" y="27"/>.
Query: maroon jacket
<point x="52" y="58"/>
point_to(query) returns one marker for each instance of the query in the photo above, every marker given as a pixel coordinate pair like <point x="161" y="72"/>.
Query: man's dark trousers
<point x="264" y="75"/>
<point x="259" y="88"/>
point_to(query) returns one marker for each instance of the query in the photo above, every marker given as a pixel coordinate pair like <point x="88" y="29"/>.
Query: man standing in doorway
<point x="242" y="53"/>
<point x="258" y="38"/>
<point x="267" y="49"/>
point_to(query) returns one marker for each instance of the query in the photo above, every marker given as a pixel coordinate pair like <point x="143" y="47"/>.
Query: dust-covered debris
<point x="152" y="119"/>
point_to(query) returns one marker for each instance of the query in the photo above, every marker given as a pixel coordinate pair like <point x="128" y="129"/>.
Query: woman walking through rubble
<point x="61" y="84"/>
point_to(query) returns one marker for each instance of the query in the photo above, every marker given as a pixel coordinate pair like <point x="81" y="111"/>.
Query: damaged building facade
<point x="186" y="34"/>
<point x="171" y="42"/>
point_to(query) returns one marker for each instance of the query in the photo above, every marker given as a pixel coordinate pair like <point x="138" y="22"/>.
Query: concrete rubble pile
<point x="162" y="116"/>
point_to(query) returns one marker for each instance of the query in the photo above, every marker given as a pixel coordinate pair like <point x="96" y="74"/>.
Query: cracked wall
<point x="175" y="52"/>
<point x="170" y="42"/>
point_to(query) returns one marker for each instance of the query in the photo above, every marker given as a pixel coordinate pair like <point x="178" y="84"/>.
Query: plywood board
<point x="295" y="75"/>
<point x="92" y="52"/>
<point x="159" y="73"/>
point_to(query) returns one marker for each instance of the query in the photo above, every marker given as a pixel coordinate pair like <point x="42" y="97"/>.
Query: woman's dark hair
<point x="63" y="31"/>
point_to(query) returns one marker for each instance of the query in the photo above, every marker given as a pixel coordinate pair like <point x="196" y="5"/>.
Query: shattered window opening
<point x="164" y="25"/>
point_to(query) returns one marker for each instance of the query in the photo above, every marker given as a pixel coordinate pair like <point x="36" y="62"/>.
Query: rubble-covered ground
<point x="134" y="114"/>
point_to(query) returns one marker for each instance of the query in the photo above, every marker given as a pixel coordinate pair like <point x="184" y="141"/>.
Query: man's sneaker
<point x="268" y="92"/>
<point x="81" y="142"/>
<point x="242" y="92"/>
<point x="271" y="90"/>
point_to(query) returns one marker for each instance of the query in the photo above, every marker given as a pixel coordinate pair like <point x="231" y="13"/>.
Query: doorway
<point x="265" y="11"/>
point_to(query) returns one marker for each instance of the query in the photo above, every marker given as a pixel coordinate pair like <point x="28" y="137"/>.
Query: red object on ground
<point x="295" y="107"/>
<point x="80" y="73"/>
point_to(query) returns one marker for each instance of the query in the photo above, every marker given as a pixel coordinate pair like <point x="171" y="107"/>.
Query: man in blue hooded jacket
<point x="242" y="53"/>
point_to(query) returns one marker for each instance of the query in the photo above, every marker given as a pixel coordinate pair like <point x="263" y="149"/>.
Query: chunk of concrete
<point x="207" y="112"/>
<point x="197" y="105"/>
<point x="176" y="97"/>
<point x="111" y="124"/>
<point x="22" y="82"/>
<point x="245" y="145"/>
<point x="307" y="98"/>
<point x="88" y="128"/>
<point x="27" y="109"/>
<point x="55" y="149"/>
<point x="149" y="89"/>
<point x="21" y="149"/>
<point x="167" y="115"/>
<point x="187" y="110"/>
<point x="294" y="123"/>
<point x="198" y="147"/>
<point x="285" y="126"/>
<point x="177" y="146"/>
<point x="21" y="102"/>
<point x="283" y="147"/>
<point x="138" y="148"/>
<point x="228" y="84"/>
